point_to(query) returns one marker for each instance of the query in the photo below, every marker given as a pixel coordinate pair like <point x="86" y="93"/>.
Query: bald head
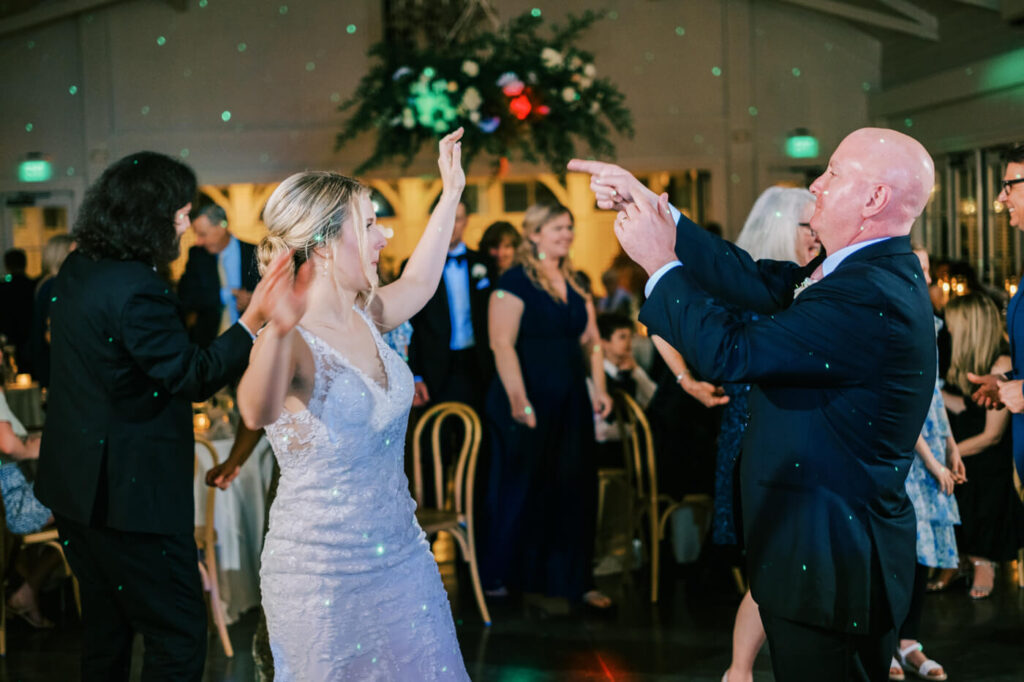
<point x="877" y="182"/>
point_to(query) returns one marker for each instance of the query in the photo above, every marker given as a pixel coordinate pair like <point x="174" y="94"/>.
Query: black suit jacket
<point x="843" y="377"/>
<point x="430" y="352"/>
<point x="199" y="288"/>
<point x="117" y="448"/>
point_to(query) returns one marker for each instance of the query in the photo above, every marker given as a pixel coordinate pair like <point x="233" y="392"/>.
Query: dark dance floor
<point x="685" y="637"/>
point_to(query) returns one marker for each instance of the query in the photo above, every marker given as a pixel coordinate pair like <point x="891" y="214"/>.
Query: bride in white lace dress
<point x="350" y="588"/>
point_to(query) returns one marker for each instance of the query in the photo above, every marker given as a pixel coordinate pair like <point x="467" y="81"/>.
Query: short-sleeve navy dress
<point x="541" y="497"/>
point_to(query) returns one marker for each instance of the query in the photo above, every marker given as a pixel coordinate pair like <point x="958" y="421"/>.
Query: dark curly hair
<point x="128" y="214"/>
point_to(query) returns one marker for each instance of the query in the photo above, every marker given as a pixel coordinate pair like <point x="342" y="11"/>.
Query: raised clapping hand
<point x="449" y="161"/>
<point x="280" y="297"/>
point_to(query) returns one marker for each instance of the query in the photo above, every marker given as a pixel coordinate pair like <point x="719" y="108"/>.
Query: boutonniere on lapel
<point x="479" y="273"/>
<point x="800" y="287"/>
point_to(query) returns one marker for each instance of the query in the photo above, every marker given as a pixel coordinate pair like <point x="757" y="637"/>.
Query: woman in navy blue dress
<point x="541" y="496"/>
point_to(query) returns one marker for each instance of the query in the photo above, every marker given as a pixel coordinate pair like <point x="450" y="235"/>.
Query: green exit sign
<point x="35" y="171"/>
<point x="802" y="147"/>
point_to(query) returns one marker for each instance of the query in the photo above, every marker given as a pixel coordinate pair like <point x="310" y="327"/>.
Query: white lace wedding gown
<point x="350" y="588"/>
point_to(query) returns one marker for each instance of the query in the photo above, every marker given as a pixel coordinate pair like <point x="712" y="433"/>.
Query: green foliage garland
<point x="516" y="93"/>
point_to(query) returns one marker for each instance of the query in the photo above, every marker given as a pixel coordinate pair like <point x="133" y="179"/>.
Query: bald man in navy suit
<point x="841" y="354"/>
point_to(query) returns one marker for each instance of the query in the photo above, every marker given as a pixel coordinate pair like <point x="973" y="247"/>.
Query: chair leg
<point x="3" y="623"/>
<point x="655" y="558"/>
<point x="217" y="608"/>
<point x="468" y="548"/>
<point x="741" y="584"/>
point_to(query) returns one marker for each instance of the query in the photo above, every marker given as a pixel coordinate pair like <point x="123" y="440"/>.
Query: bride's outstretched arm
<point x="403" y="298"/>
<point x="272" y="364"/>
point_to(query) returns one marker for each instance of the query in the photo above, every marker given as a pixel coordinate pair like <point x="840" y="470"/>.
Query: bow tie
<point x="460" y="259"/>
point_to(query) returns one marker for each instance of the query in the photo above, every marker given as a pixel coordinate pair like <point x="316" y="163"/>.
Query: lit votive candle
<point x="23" y="380"/>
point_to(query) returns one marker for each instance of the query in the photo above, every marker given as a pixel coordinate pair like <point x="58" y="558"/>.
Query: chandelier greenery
<point x="517" y="93"/>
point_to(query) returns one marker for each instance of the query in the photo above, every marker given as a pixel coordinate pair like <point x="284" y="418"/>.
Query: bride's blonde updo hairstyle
<point x="306" y="211"/>
<point x="535" y="218"/>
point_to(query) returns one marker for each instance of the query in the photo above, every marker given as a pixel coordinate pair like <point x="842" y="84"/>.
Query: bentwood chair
<point x="206" y="542"/>
<point x="651" y="510"/>
<point x="454" y="512"/>
<point x="46" y="538"/>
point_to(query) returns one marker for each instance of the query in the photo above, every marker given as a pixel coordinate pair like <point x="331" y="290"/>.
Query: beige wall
<point x="133" y="93"/>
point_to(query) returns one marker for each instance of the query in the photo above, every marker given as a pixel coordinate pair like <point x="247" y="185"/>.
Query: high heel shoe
<point x="982" y="591"/>
<point x="947" y="578"/>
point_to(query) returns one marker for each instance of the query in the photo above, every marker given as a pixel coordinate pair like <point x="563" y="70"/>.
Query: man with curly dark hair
<point x="116" y="463"/>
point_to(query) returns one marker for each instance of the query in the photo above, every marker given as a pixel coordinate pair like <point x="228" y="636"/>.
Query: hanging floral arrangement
<point x="518" y="94"/>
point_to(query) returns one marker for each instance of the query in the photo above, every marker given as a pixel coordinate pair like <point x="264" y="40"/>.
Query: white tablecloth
<point x="239" y="514"/>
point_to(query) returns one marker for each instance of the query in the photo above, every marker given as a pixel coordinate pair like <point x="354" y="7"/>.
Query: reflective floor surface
<point x="686" y="636"/>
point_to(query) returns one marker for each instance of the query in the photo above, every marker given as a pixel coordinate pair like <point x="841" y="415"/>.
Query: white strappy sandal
<point x="896" y="671"/>
<point x="926" y="668"/>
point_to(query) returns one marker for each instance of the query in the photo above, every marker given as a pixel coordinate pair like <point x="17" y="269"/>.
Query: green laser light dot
<point x="226" y="116"/>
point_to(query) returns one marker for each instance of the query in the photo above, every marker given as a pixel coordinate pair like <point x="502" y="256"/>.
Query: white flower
<point x="551" y="57"/>
<point x="474" y="116"/>
<point x="471" y="99"/>
<point x="589" y="70"/>
<point x="595" y="107"/>
<point x="569" y="94"/>
<point x="507" y="78"/>
<point x="586" y="83"/>
<point x="803" y="285"/>
<point x="478" y="271"/>
<point x="408" y="119"/>
<point x="470" y="68"/>
<point x="575" y="63"/>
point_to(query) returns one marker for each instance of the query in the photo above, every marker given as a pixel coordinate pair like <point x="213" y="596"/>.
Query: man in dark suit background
<point x="116" y="464"/>
<point x="219" y="278"/>
<point x="449" y="353"/>
<point x="17" y="297"/>
<point x="1009" y="390"/>
<point x="843" y="378"/>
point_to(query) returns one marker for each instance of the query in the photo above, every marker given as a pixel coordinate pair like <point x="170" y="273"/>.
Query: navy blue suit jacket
<point x="843" y="376"/>
<point x="1015" y="329"/>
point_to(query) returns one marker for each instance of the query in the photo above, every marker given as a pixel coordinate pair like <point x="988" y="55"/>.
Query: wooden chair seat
<point x="435" y="520"/>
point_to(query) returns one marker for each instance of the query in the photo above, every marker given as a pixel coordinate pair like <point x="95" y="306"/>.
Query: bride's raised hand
<point x="281" y="296"/>
<point x="449" y="161"/>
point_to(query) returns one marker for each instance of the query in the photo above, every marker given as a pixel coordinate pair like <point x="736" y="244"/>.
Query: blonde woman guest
<point x="54" y="253"/>
<point x="992" y="519"/>
<point x="543" y="479"/>
<point x="350" y="588"/>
